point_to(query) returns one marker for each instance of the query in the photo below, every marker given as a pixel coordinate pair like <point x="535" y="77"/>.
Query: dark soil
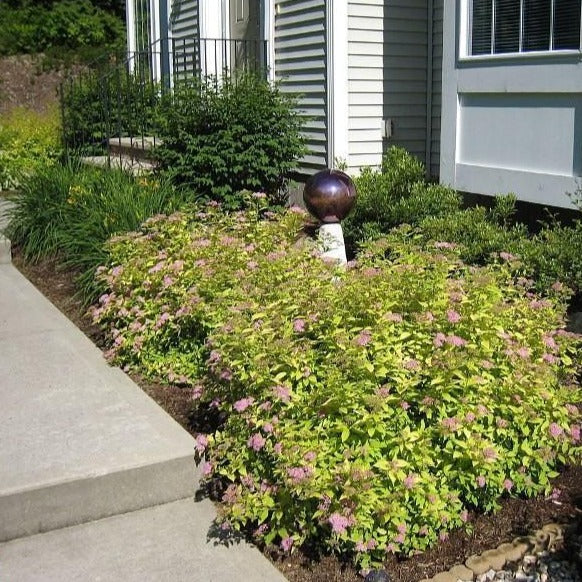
<point x="516" y="517"/>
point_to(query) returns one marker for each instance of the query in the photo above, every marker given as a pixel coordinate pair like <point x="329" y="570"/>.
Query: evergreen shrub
<point x="222" y="137"/>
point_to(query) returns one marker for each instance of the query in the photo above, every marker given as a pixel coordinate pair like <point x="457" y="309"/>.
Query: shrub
<point x="395" y="194"/>
<point x="70" y="211"/>
<point x="28" y="140"/>
<point x="365" y="409"/>
<point x="223" y="137"/>
<point x="67" y="24"/>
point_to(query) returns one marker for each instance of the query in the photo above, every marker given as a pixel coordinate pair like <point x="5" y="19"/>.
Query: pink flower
<point x="268" y="427"/>
<point x="399" y="539"/>
<point x="197" y="392"/>
<point x="489" y="453"/>
<point x="310" y="456"/>
<point x="470" y="417"/>
<point x="338" y="522"/>
<point x="243" y="404"/>
<point x="412" y="365"/>
<point x="252" y="265"/>
<point x="450" y="423"/>
<point x="453" y="316"/>
<point x="507" y="256"/>
<point x="501" y="423"/>
<point x="464" y="516"/>
<point x="157" y="267"/>
<point x="282" y="393"/>
<point x="550" y="342"/>
<point x="206" y="468"/>
<point x="299" y="325"/>
<point x="259" y="195"/>
<point x="555" y="430"/>
<point x="393" y="317"/>
<point x="226" y="374"/>
<point x="214" y="357"/>
<point x="445" y="245"/>
<point x="575" y="432"/>
<point x="508" y="484"/>
<point x="455" y="340"/>
<point x="480" y="481"/>
<point x="287" y="544"/>
<point x="390" y="548"/>
<point x="256" y="442"/>
<point x="549" y="358"/>
<point x="297" y="474"/>
<point x="409" y="481"/>
<point x="364" y="338"/>
<point x="361" y="547"/>
<point x="278" y="448"/>
<point x="443" y="536"/>
<point x="486" y="364"/>
<point x="423" y="531"/>
<point x="201" y="443"/>
<point x="439" y="339"/>
<point x="523" y="352"/>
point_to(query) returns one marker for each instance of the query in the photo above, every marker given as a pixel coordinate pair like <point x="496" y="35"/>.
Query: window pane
<point x="507" y="26"/>
<point x="566" y="24"/>
<point x="481" y="27"/>
<point x="537" y="21"/>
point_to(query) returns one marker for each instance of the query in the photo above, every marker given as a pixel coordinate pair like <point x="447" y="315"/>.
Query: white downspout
<point x="337" y="82"/>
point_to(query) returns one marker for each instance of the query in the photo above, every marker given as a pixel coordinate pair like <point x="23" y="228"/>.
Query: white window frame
<point x="465" y="30"/>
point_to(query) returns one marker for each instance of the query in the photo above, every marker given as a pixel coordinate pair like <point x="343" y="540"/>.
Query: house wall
<point x="184" y="29"/>
<point x="511" y="123"/>
<point x="389" y="74"/>
<point x="300" y="55"/>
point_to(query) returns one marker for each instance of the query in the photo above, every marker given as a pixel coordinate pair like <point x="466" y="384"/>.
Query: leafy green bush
<point x="70" y="211"/>
<point x="69" y="24"/>
<point x="28" y="140"/>
<point x="107" y="103"/>
<point x="554" y="255"/>
<point x="220" y="138"/>
<point x="396" y="194"/>
<point x="367" y="409"/>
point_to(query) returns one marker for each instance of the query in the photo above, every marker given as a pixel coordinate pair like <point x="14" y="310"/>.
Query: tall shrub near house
<point x="221" y="137"/>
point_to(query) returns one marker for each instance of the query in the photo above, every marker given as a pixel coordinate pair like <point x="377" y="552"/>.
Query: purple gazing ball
<point x="377" y="576"/>
<point x="329" y="195"/>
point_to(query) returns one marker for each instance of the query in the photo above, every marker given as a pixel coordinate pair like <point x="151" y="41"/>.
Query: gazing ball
<point x="377" y="576"/>
<point x="329" y="195"/>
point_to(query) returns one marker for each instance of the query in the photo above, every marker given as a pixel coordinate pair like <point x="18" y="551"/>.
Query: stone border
<point x="545" y="539"/>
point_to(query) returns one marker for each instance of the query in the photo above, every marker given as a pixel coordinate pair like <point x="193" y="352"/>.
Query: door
<point x="245" y="34"/>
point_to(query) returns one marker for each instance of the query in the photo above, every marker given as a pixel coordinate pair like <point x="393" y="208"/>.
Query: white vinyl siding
<point x="405" y="73"/>
<point x="301" y="70"/>
<point x="365" y="82"/>
<point x="185" y="33"/>
<point x="437" y="83"/>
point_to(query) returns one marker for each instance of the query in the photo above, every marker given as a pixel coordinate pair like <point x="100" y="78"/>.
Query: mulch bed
<point x="517" y="516"/>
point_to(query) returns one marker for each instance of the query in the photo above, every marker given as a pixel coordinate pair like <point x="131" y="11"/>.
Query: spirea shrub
<point x="366" y="409"/>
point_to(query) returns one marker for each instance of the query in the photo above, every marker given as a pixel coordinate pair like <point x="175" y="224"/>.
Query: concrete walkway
<point x="97" y="482"/>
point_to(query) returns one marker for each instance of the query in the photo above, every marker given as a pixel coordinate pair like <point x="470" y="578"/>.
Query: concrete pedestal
<point x="331" y="240"/>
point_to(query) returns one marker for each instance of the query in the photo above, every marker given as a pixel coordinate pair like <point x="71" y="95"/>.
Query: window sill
<point x="532" y="55"/>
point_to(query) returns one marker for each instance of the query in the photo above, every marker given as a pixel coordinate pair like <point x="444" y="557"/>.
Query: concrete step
<point x="140" y="148"/>
<point x="170" y="543"/>
<point x="79" y="441"/>
<point x="135" y="166"/>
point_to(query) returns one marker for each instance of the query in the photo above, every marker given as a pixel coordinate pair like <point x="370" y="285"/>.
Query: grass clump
<point x="70" y="211"/>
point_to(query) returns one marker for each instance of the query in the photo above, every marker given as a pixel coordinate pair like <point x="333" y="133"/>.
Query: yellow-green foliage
<point x="28" y="140"/>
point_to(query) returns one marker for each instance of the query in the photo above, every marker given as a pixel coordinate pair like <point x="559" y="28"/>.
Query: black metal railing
<point x="120" y="96"/>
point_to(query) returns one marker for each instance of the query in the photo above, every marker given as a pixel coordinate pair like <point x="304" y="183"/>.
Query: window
<point x="521" y="26"/>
